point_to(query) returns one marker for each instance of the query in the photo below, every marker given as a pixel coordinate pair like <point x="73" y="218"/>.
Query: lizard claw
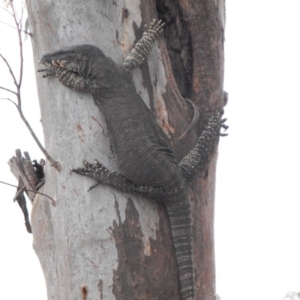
<point x="224" y="126"/>
<point x="84" y="171"/>
<point x="98" y="164"/>
<point x="88" y="166"/>
<point x="93" y="186"/>
<point x="80" y="171"/>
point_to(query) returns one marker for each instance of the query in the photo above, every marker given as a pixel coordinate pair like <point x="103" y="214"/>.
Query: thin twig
<point x="48" y="157"/>
<point x="8" y="90"/>
<point x="26" y="32"/>
<point x="6" y="10"/>
<point x="10" y="69"/>
<point x="21" y="19"/>
<point x="52" y="201"/>
<point x="19" y="26"/>
<point x="8" y="99"/>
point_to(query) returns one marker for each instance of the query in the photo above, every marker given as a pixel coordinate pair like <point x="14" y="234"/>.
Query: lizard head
<point x="81" y="67"/>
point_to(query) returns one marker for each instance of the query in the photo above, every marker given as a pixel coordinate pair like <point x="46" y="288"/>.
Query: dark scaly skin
<point x="144" y="45"/>
<point x="146" y="162"/>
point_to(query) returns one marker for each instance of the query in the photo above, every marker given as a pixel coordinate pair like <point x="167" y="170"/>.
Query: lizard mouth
<point x="57" y="67"/>
<point x="56" y="63"/>
<point x="65" y="73"/>
<point x="54" y="67"/>
<point x="59" y="63"/>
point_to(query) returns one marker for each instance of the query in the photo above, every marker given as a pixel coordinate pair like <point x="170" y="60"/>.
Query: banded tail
<point x="181" y="226"/>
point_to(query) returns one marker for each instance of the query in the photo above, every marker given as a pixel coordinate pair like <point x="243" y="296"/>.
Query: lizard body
<point x="146" y="161"/>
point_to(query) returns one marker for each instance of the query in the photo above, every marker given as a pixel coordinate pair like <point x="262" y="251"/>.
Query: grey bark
<point x="89" y="240"/>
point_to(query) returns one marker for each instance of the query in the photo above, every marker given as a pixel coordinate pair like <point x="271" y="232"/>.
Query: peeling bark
<point x="137" y="263"/>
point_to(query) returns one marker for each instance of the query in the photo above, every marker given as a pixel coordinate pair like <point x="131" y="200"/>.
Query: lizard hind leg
<point x="204" y="146"/>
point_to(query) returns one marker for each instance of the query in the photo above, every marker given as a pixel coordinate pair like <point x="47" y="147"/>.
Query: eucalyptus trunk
<point x="105" y="244"/>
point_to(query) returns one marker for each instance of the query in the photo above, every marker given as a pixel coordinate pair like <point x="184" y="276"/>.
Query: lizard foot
<point x="90" y="169"/>
<point x="95" y="171"/>
<point x="142" y="48"/>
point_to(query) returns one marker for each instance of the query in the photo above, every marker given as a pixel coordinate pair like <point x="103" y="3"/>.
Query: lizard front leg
<point x="142" y="48"/>
<point x="116" y="180"/>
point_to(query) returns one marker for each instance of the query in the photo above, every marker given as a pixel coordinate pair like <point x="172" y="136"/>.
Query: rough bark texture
<point x="95" y="244"/>
<point x="131" y="279"/>
<point x="195" y="36"/>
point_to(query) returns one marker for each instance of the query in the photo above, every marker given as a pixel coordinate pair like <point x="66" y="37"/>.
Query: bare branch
<point x="53" y="163"/>
<point x="10" y="69"/>
<point x="21" y="19"/>
<point x="26" y="32"/>
<point x="8" y="99"/>
<point x="52" y="201"/>
<point x="6" y="10"/>
<point x="8" y="90"/>
<point x="18" y="85"/>
<point x="19" y="26"/>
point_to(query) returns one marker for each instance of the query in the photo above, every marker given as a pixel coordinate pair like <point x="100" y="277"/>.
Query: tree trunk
<point x="105" y="244"/>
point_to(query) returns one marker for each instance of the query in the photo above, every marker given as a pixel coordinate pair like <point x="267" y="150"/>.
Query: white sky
<point x="257" y="202"/>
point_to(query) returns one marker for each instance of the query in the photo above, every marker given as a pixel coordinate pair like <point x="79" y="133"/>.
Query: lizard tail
<point x="180" y="218"/>
<point x="194" y="120"/>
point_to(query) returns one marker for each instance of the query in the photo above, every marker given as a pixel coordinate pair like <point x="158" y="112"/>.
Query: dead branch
<point x="24" y="171"/>
<point x="52" y="201"/>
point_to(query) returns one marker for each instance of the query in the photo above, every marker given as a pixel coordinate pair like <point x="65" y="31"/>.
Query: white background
<point x="257" y="202"/>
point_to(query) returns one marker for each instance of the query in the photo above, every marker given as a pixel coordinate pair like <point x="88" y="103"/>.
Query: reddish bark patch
<point x="94" y="119"/>
<point x="84" y="292"/>
<point x="80" y="132"/>
<point x="162" y="116"/>
<point x="139" y="276"/>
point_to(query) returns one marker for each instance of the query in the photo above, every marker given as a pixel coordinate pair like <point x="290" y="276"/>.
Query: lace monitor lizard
<point x="147" y="164"/>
